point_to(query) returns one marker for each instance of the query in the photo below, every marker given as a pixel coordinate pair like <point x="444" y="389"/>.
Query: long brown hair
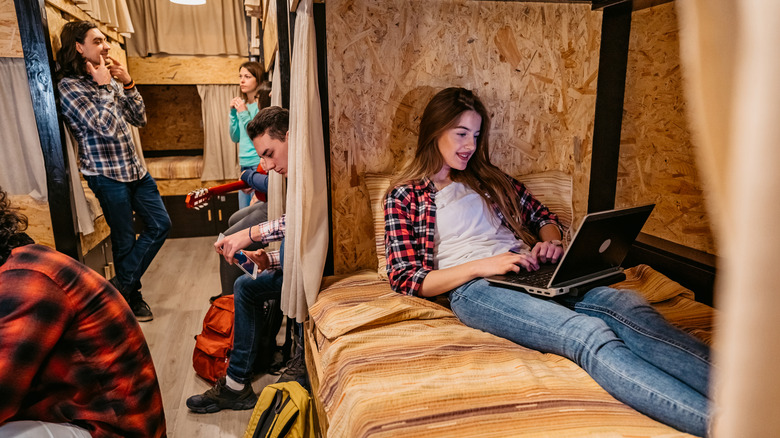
<point x="441" y="114"/>
<point x="70" y="61"/>
<point x="257" y="71"/>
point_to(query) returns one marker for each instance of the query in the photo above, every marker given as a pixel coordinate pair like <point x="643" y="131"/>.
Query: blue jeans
<point x="244" y="199"/>
<point x="625" y="345"/>
<point x="248" y="297"/>
<point x="119" y="200"/>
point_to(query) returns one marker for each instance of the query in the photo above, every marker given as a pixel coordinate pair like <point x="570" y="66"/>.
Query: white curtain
<point x="220" y="154"/>
<point x="85" y="217"/>
<point x="22" y="170"/>
<point x="216" y="28"/>
<point x="730" y="52"/>
<point x="306" y="241"/>
<point x="276" y="182"/>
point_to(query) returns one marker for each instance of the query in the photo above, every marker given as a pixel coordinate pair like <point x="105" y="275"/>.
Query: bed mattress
<point x="388" y="365"/>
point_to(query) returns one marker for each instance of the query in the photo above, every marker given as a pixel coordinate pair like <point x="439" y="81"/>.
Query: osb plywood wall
<point x="173" y="114"/>
<point x="657" y="160"/>
<point x="10" y="43"/>
<point x="534" y="66"/>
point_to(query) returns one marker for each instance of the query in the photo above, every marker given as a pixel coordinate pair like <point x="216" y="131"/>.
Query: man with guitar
<point x="240" y="220"/>
<point x="269" y="134"/>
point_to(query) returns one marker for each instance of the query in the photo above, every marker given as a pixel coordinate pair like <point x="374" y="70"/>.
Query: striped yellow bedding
<point x="175" y="167"/>
<point x="387" y="365"/>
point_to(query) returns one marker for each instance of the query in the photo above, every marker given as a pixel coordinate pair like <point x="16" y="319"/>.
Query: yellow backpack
<point x="284" y="410"/>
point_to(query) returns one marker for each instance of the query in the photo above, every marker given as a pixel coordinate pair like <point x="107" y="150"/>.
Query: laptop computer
<point x="592" y="259"/>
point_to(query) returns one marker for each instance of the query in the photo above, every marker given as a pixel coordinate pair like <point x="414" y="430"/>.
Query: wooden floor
<point x="177" y="287"/>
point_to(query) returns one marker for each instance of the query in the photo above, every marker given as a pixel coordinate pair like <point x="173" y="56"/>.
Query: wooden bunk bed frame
<point x="691" y="268"/>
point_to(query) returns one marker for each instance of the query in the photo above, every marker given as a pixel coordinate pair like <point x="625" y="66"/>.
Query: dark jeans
<point x="119" y="200"/>
<point x="249" y="296"/>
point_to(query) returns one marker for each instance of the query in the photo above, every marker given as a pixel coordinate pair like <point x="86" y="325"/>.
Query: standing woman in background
<point x="242" y="110"/>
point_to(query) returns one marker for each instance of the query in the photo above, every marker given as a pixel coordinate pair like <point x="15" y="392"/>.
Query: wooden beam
<point x="610" y="91"/>
<point x="270" y="36"/>
<point x="76" y="12"/>
<point x="691" y="268"/>
<point x="33" y="29"/>
<point x="644" y="4"/>
<point x="595" y="4"/>
<point x="601" y="4"/>
<point x="184" y="70"/>
<point x="540" y="1"/>
<point x="637" y="4"/>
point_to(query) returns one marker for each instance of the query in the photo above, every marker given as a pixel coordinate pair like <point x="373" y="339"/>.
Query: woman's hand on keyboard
<point x="548" y="252"/>
<point x="502" y="263"/>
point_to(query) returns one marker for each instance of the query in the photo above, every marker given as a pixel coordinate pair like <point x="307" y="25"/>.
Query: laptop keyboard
<point x="536" y="278"/>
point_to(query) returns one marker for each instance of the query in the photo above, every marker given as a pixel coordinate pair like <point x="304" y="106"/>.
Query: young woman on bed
<point x="451" y="218"/>
<point x="254" y="96"/>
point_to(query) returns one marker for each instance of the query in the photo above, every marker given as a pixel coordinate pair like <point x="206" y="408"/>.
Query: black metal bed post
<point x="610" y="92"/>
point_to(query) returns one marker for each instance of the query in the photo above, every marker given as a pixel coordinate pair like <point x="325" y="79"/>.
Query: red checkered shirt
<point x="410" y="224"/>
<point x="71" y="350"/>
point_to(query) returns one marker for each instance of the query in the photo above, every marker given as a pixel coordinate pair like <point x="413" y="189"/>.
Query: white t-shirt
<point x="467" y="228"/>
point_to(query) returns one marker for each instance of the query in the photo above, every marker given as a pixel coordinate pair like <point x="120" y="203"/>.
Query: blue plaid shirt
<point x="98" y="117"/>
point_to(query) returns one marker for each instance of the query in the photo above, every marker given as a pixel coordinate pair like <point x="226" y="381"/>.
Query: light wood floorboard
<point x="177" y="287"/>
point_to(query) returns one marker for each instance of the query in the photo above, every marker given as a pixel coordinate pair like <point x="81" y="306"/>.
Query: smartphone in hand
<point x="245" y="264"/>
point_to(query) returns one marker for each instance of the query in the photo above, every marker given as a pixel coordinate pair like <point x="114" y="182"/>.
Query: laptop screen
<point x="601" y="243"/>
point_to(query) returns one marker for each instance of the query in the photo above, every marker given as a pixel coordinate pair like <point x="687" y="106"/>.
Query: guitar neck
<point x="227" y="188"/>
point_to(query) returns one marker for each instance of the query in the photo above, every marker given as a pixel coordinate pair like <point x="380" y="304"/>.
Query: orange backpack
<point x="213" y="344"/>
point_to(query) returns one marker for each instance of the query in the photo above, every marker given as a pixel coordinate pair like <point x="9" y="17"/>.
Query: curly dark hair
<point x="12" y="226"/>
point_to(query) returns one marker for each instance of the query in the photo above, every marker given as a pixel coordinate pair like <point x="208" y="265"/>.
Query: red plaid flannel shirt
<point x="71" y="350"/>
<point x="410" y="223"/>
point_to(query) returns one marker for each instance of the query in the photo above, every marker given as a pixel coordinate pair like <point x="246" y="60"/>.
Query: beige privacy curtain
<point x="731" y="61"/>
<point x="114" y="13"/>
<point x="276" y="182"/>
<point x="216" y="28"/>
<point x="220" y="154"/>
<point x="306" y="241"/>
<point x="22" y="171"/>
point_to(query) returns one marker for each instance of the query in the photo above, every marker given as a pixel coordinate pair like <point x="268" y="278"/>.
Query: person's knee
<point x="584" y="337"/>
<point x="164" y="227"/>
<point x="619" y="301"/>
<point x="248" y="289"/>
<point x="160" y="228"/>
<point x="240" y="287"/>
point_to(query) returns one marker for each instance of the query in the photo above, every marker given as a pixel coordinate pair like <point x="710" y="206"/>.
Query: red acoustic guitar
<point x="198" y="199"/>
